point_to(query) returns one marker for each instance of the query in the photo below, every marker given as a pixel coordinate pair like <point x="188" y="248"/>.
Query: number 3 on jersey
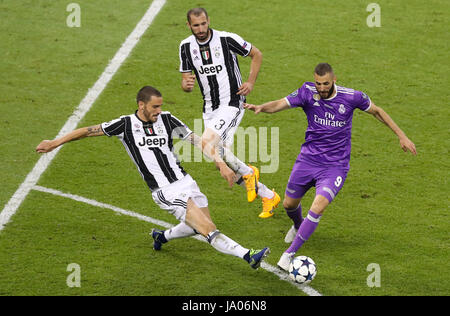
<point x="218" y="126"/>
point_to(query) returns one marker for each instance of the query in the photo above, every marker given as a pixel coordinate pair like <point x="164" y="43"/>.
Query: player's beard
<point x="152" y="118"/>
<point x="203" y="37"/>
<point x="329" y="93"/>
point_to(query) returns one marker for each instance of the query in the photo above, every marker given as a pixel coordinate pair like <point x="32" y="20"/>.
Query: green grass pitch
<point x="392" y="211"/>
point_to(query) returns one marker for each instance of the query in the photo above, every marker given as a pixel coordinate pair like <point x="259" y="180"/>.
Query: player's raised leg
<point x="305" y="230"/>
<point x="310" y="223"/>
<point x="247" y="175"/>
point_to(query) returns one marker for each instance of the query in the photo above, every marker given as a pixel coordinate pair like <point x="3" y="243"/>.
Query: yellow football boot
<point x="251" y="183"/>
<point x="269" y="205"/>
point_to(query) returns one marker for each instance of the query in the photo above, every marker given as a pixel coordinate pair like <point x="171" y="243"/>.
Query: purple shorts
<point x="328" y="180"/>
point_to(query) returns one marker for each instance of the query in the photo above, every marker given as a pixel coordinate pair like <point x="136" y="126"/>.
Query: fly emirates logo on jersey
<point x="329" y="120"/>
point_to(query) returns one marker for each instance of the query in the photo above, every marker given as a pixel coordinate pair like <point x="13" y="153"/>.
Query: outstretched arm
<point x="269" y="107"/>
<point x="48" y="145"/>
<point x="382" y="116"/>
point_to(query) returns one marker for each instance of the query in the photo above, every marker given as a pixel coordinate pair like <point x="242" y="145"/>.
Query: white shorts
<point x="224" y="121"/>
<point x="174" y="197"/>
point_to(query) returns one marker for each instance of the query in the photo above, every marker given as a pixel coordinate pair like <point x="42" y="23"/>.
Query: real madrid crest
<point x="316" y="97"/>
<point x="341" y="109"/>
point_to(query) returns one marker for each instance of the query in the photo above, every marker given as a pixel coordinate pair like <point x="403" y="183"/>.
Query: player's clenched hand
<point x="245" y="89"/>
<point x="45" y="146"/>
<point x="188" y="82"/>
<point x="252" y="107"/>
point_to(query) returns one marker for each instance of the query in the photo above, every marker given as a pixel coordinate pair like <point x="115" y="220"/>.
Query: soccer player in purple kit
<point x="324" y="158"/>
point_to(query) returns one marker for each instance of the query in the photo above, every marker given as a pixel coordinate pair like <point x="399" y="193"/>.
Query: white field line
<point x="19" y="196"/>
<point x="282" y="275"/>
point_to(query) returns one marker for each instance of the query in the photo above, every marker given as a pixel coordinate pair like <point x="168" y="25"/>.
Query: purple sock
<point x="296" y="216"/>
<point x="305" y="231"/>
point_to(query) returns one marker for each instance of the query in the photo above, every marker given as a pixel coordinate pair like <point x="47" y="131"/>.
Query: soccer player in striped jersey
<point x="212" y="56"/>
<point x="324" y="158"/>
<point x="147" y="136"/>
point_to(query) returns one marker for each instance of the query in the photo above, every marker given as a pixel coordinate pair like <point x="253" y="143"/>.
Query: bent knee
<point x="319" y="205"/>
<point x="289" y="203"/>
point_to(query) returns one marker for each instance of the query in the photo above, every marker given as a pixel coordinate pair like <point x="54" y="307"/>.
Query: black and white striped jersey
<point x="150" y="146"/>
<point x="216" y="67"/>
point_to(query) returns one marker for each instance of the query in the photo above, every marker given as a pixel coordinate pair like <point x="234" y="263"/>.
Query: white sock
<point x="234" y="163"/>
<point x="264" y="191"/>
<point x="226" y="245"/>
<point x="179" y="231"/>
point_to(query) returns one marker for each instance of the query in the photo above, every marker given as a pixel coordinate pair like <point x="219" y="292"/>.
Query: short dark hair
<point x="196" y="12"/>
<point x="146" y="93"/>
<point x="323" y="68"/>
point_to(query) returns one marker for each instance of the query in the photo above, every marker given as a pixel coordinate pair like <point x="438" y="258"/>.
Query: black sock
<point x="247" y="257"/>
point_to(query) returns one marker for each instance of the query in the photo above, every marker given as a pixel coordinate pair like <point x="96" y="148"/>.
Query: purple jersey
<point x="328" y="136"/>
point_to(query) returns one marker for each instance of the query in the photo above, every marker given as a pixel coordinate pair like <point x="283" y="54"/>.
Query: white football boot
<point x="285" y="260"/>
<point x="290" y="235"/>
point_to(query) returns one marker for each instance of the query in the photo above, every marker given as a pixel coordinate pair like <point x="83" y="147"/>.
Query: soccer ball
<point x="302" y="269"/>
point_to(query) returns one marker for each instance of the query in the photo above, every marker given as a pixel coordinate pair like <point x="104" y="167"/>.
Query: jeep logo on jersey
<point x="153" y="141"/>
<point x="210" y="70"/>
